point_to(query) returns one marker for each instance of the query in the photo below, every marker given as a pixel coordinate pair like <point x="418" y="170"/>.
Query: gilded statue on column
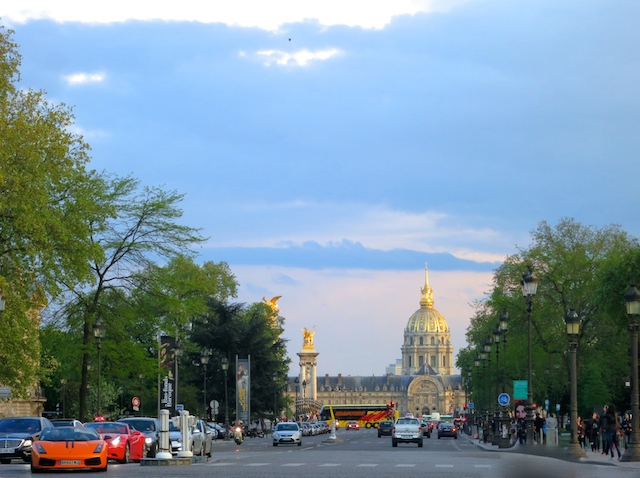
<point x="308" y="334"/>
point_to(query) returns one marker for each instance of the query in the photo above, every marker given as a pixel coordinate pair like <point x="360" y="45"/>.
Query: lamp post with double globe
<point x="204" y="360"/>
<point x="99" y="333"/>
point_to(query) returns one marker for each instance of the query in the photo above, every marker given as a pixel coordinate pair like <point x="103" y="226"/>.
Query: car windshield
<point x="286" y="426"/>
<point x="62" y="423"/>
<point x="69" y="434"/>
<point x="20" y="425"/>
<point x="102" y="427"/>
<point x="142" y="425"/>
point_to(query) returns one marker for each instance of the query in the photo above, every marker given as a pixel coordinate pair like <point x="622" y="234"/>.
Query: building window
<point x="421" y="360"/>
<point x="409" y="361"/>
<point x="433" y="341"/>
<point x="433" y="360"/>
<point x="444" y="360"/>
<point x="421" y="340"/>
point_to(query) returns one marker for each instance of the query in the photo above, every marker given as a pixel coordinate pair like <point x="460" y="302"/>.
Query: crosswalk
<point x="344" y="465"/>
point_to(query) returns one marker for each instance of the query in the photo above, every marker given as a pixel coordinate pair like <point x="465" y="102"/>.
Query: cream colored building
<point x="426" y="381"/>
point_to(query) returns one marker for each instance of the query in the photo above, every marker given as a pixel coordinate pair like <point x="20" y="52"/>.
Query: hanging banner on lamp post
<point x="243" y="389"/>
<point x="168" y="377"/>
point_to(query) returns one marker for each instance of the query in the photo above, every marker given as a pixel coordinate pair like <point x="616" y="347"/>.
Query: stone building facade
<point x="426" y="381"/>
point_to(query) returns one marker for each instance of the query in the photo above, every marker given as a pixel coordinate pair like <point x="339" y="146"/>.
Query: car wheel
<point x="420" y="444"/>
<point x="127" y="454"/>
<point x="5" y="461"/>
<point x="438" y="437"/>
<point x="394" y="443"/>
<point x="275" y="444"/>
<point x="379" y="435"/>
<point x="210" y="451"/>
<point x="300" y="443"/>
<point x="153" y="450"/>
<point x="456" y="437"/>
<point x="102" y="470"/>
<point x="33" y="470"/>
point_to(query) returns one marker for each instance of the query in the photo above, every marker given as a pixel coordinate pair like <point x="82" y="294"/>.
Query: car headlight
<point x="41" y="449"/>
<point x="27" y="442"/>
<point x="115" y="441"/>
<point x="99" y="447"/>
<point x="148" y="440"/>
<point x="276" y="435"/>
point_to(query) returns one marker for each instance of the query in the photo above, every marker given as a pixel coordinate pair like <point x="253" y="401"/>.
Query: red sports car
<point x="124" y="444"/>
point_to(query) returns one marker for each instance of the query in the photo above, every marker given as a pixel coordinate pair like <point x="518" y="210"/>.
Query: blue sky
<point x="330" y="149"/>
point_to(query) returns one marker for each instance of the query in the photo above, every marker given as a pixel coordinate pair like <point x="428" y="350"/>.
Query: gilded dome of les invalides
<point x="426" y="318"/>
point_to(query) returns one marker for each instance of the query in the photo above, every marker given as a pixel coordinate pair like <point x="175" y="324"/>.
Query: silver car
<point x="287" y="433"/>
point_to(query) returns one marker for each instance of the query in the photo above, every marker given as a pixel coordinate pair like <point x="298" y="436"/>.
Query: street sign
<point x="504" y="399"/>
<point x="5" y="392"/>
<point x="135" y="401"/>
<point x="471" y="405"/>
<point x="179" y="407"/>
<point x="214" y="404"/>
<point x="520" y="389"/>
<point x="546" y="404"/>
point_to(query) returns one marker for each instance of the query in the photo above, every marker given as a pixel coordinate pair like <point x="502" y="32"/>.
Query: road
<point x="361" y="453"/>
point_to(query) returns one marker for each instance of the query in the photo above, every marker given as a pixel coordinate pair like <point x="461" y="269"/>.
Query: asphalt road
<point x="361" y="453"/>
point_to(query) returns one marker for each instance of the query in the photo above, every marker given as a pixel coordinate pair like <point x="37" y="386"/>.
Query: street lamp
<point x="497" y="335"/>
<point x="204" y="360"/>
<point x="224" y="365"/>
<point x="3" y="301"/>
<point x="304" y="397"/>
<point x="99" y="333"/>
<point x="572" y="321"/>
<point x="632" y="297"/>
<point x="63" y="383"/>
<point x="275" y="398"/>
<point x="297" y="382"/>
<point x="529" y="287"/>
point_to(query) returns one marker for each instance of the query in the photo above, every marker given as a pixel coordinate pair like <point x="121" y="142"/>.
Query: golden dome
<point x="426" y="318"/>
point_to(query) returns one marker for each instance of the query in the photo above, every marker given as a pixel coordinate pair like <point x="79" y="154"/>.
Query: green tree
<point x="47" y="201"/>
<point x="569" y="260"/>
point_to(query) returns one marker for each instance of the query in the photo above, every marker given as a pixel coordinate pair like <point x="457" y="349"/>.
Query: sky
<point x="330" y="150"/>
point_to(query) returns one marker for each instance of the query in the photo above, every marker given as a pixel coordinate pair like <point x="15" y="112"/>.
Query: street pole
<point x="572" y="320"/>
<point x="529" y="288"/>
<point x="632" y="298"/>
<point x="99" y="333"/>
<point x="224" y="364"/>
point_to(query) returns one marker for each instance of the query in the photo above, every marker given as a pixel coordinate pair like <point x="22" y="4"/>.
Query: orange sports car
<point x="123" y="443"/>
<point x="68" y="448"/>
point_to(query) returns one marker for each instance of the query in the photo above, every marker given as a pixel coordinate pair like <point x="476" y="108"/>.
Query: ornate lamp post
<point x="478" y="404"/>
<point x="572" y="320"/>
<point x="204" y="360"/>
<point x="275" y="398"/>
<point x="497" y="430"/>
<point x="224" y="365"/>
<point x="632" y="297"/>
<point x="3" y="302"/>
<point x="99" y="333"/>
<point x="529" y="287"/>
<point x="297" y="382"/>
<point x="304" y="397"/>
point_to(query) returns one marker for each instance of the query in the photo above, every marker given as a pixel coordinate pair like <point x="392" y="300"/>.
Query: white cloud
<point x="301" y="58"/>
<point x="247" y="13"/>
<point x="84" y="78"/>
<point x="374" y="226"/>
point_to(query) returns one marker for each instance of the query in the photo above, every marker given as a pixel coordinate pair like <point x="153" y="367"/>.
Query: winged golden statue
<point x="308" y="338"/>
<point x="272" y="304"/>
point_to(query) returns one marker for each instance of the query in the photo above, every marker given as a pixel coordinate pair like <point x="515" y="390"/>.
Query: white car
<point x="287" y="433"/>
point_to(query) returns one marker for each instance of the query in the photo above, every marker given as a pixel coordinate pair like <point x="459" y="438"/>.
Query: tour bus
<point x="367" y="415"/>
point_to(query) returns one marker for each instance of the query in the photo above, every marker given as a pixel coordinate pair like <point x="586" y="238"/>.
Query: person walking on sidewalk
<point x="614" y="430"/>
<point x="594" y="436"/>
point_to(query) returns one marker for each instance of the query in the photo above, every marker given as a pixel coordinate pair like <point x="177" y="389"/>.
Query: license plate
<point x="7" y="450"/>
<point x="406" y="436"/>
<point x="69" y="462"/>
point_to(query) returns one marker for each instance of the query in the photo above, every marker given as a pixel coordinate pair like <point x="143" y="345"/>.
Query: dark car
<point x="385" y="428"/>
<point x="17" y="434"/>
<point x="427" y="428"/>
<point x="66" y="422"/>
<point x="150" y="428"/>
<point x="447" y="430"/>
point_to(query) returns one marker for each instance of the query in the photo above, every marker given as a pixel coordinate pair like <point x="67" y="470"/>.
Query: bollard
<point x="185" y="430"/>
<point x="164" y="452"/>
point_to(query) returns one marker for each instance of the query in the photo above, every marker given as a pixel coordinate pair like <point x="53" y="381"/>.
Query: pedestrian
<point x="581" y="432"/>
<point x="595" y="432"/>
<point x="605" y="430"/>
<point x="626" y="429"/>
<point x="614" y="430"/>
<point x="538" y="423"/>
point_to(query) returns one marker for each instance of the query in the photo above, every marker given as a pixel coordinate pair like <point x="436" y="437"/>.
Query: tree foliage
<point x="578" y="267"/>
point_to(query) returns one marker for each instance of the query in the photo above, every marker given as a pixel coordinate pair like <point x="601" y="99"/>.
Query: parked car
<point x="218" y="430"/>
<point x="69" y="448"/>
<point x="207" y="438"/>
<point x="149" y="427"/>
<point x="17" y="435"/>
<point x="353" y="426"/>
<point x="446" y="429"/>
<point x="66" y="422"/>
<point x="385" y="428"/>
<point x="287" y="433"/>
<point x="123" y="443"/>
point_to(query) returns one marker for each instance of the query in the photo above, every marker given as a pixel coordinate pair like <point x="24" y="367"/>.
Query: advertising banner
<point x="243" y="389"/>
<point x="168" y="374"/>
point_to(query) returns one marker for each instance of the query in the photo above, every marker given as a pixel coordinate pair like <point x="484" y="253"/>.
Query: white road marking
<point x="444" y="466"/>
<point x="369" y="465"/>
<point x="294" y="464"/>
<point x="331" y="464"/>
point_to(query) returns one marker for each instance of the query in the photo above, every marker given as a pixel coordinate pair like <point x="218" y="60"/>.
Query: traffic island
<point x="166" y="461"/>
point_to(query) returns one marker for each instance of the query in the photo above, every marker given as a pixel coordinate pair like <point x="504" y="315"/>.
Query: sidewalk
<point x="554" y="451"/>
